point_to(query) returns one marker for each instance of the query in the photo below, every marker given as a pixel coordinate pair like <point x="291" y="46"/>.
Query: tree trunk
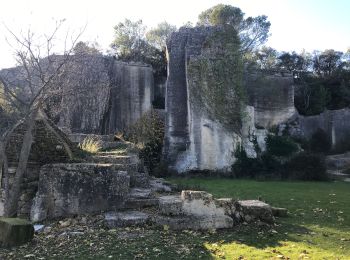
<point x="2" y="162"/>
<point x="66" y="146"/>
<point x="3" y="168"/>
<point x="11" y="201"/>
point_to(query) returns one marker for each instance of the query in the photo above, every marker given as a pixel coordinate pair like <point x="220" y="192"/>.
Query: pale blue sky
<point x="296" y="24"/>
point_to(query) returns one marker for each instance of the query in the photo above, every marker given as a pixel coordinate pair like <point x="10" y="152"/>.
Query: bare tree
<point x="39" y="69"/>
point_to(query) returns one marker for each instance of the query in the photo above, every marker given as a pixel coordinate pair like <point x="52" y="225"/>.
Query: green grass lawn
<point x="318" y="227"/>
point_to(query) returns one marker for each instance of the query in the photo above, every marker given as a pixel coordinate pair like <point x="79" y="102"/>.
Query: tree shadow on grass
<point x="260" y="237"/>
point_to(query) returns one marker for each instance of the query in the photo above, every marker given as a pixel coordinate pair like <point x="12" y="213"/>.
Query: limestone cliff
<point x="272" y="96"/>
<point x="108" y="95"/>
<point x="196" y="139"/>
<point x="94" y="93"/>
<point x="335" y="123"/>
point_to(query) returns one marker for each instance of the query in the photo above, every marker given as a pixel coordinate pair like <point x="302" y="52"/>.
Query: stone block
<point x="252" y="210"/>
<point x="81" y="188"/>
<point x="140" y="180"/>
<point x="15" y="231"/>
<point x="279" y="212"/>
<point x="120" y="159"/>
<point x="170" y="205"/>
<point x="160" y="185"/>
<point x="188" y="195"/>
<point x="200" y="203"/>
<point x="129" y="168"/>
<point x="140" y="193"/>
<point x="194" y="222"/>
<point x="140" y="203"/>
<point x="228" y="204"/>
<point x="126" y="219"/>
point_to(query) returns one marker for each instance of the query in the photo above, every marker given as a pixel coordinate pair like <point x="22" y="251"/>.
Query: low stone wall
<point x="71" y="189"/>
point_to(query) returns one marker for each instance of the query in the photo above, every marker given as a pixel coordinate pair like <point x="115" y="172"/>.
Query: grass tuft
<point x="90" y="144"/>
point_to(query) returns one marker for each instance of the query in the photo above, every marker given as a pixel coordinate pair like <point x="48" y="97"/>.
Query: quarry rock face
<point x="272" y="96"/>
<point x="193" y="139"/>
<point x="81" y="188"/>
<point x="335" y="123"/>
<point x="107" y="95"/>
<point x="93" y="94"/>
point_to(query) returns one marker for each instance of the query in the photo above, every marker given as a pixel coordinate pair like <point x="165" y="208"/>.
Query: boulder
<point x="15" y="231"/>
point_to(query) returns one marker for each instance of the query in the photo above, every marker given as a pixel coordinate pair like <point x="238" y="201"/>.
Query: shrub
<point x="319" y="142"/>
<point x="303" y="166"/>
<point x="280" y="145"/>
<point x="303" y="142"/>
<point x="147" y="133"/>
<point x="245" y="167"/>
<point x="307" y="167"/>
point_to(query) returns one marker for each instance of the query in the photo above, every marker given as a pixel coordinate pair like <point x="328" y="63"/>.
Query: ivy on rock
<point x="215" y="79"/>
